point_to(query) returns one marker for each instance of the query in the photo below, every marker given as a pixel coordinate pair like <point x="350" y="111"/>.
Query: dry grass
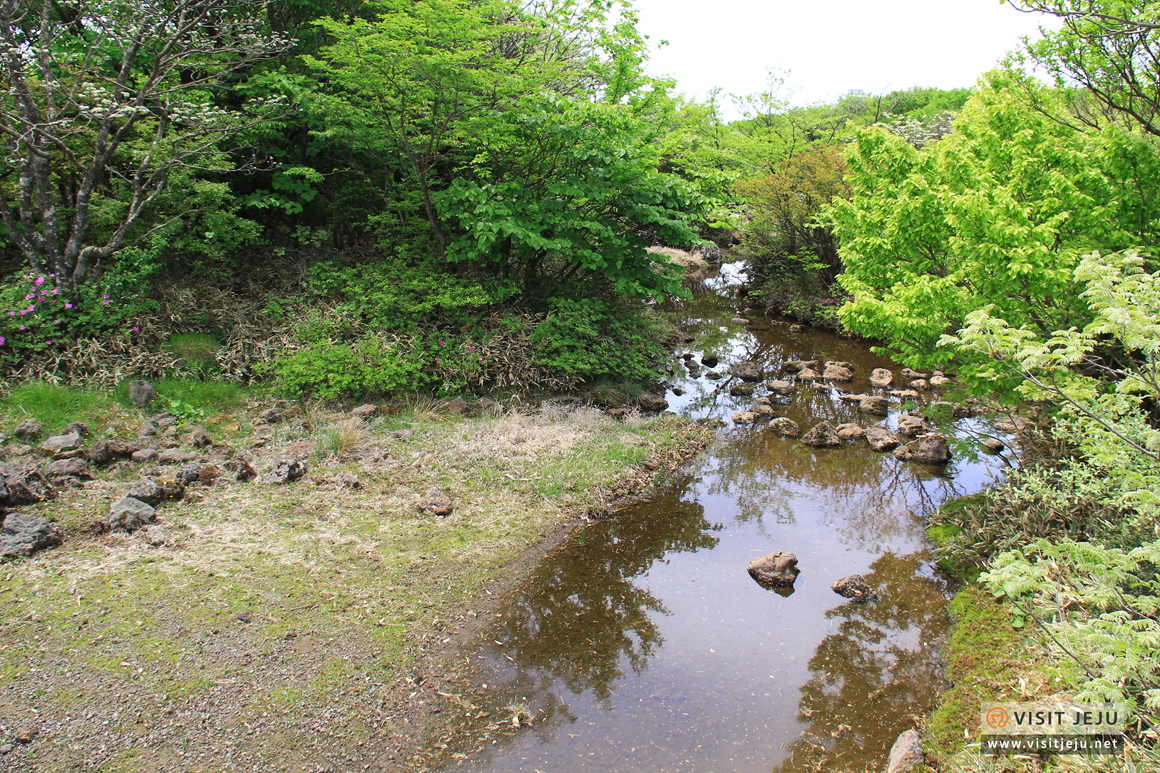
<point x="343" y="438"/>
<point x="686" y="260"/>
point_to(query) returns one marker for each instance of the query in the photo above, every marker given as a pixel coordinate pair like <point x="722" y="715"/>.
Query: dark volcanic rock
<point x="286" y="469"/>
<point x="747" y="371"/>
<point x="436" y="502"/>
<point x="68" y="468"/>
<point x="24" y="486"/>
<point x="776" y="570"/>
<point x="24" y="534"/>
<point x="61" y="443"/>
<point x="241" y="469"/>
<point x="107" y="451"/>
<point x="931" y="449"/>
<point x="854" y="588"/>
<point x="129" y="514"/>
<point x="651" y="402"/>
<point x="27" y="430"/>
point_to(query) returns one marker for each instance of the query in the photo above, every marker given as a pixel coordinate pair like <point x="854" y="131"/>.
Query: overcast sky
<point x="829" y="46"/>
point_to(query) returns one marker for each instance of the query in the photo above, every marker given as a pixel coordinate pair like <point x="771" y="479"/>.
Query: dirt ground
<point x="308" y="626"/>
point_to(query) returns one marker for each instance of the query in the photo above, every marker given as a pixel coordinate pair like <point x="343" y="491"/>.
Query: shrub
<point x="373" y="364"/>
<point x="197" y="349"/>
<point x="596" y="339"/>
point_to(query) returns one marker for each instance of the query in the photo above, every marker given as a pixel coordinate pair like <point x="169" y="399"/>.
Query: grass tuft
<point x="53" y="406"/>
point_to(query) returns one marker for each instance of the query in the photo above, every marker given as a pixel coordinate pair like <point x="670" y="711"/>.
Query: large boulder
<point x="931" y="449"/>
<point x="881" y="439"/>
<point x="835" y="372"/>
<point x="24" y="534"/>
<point x="709" y="360"/>
<point x="881" y="378"/>
<point x="745" y="417"/>
<point x="785" y="426"/>
<point x="24" y="486"/>
<point x="906" y="753"/>
<point x="823" y="435"/>
<point x="854" y="588"/>
<point x="142" y="393"/>
<point x="651" y="402"/>
<point x="129" y="514"/>
<point x="874" y="405"/>
<point x="776" y="570"/>
<point x="747" y="371"/>
<point x="762" y="410"/>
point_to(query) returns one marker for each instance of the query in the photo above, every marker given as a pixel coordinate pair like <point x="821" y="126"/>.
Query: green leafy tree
<point x="997" y="213"/>
<point x="103" y="101"/>
<point x="567" y="191"/>
<point x="1111" y="48"/>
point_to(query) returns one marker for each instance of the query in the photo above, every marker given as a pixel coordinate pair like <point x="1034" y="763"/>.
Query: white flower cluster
<point x="93" y="101"/>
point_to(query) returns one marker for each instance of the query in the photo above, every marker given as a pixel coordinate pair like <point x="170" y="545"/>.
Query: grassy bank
<point x="997" y="653"/>
<point x="289" y="627"/>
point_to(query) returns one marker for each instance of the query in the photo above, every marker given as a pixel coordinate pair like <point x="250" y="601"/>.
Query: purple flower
<point x="2" y="340"/>
<point x="106" y="303"/>
<point x="57" y="322"/>
<point x="437" y="359"/>
<point x="12" y="313"/>
<point x="55" y="290"/>
<point x="23" y="312"/>
<point x="135" y="328"/>
<point x="39" y="281"/>
<point x="442" y="343"/>
<point x="22" y="327"/>
<point x="29" y="297"/>
<point x="68" y="305"/>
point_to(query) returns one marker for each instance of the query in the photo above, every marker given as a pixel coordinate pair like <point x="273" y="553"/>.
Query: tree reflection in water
<point x="579" y="620"/>
<point x="875" y="676"/>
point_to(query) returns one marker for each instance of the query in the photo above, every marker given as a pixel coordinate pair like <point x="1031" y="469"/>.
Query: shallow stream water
<point x="644" y="645"/>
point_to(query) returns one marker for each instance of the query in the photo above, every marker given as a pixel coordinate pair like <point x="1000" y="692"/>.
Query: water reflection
<point x="644" y="645"/>
<point x="579" y="618"/>
<point x="874" y="670"/>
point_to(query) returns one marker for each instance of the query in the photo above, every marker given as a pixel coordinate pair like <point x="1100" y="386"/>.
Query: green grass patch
<point x="199" y="351"/>
<point x="984" y="657"/>
<point x="54" y="406"/>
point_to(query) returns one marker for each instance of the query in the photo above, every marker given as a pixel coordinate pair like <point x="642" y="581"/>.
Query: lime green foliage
<point x="595" y="339"/>
<point x="1100" y="607"/>
<point x="328" y="369"/>
<point x="997" y="213"/>
<point x="1104" y="378"/>
<point x="53" y="406"/>
<point x="561" y="190"/>
<point x="983" y="658"/>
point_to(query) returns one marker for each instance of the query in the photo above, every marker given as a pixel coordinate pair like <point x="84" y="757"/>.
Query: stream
<point x="644" y="645"/>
